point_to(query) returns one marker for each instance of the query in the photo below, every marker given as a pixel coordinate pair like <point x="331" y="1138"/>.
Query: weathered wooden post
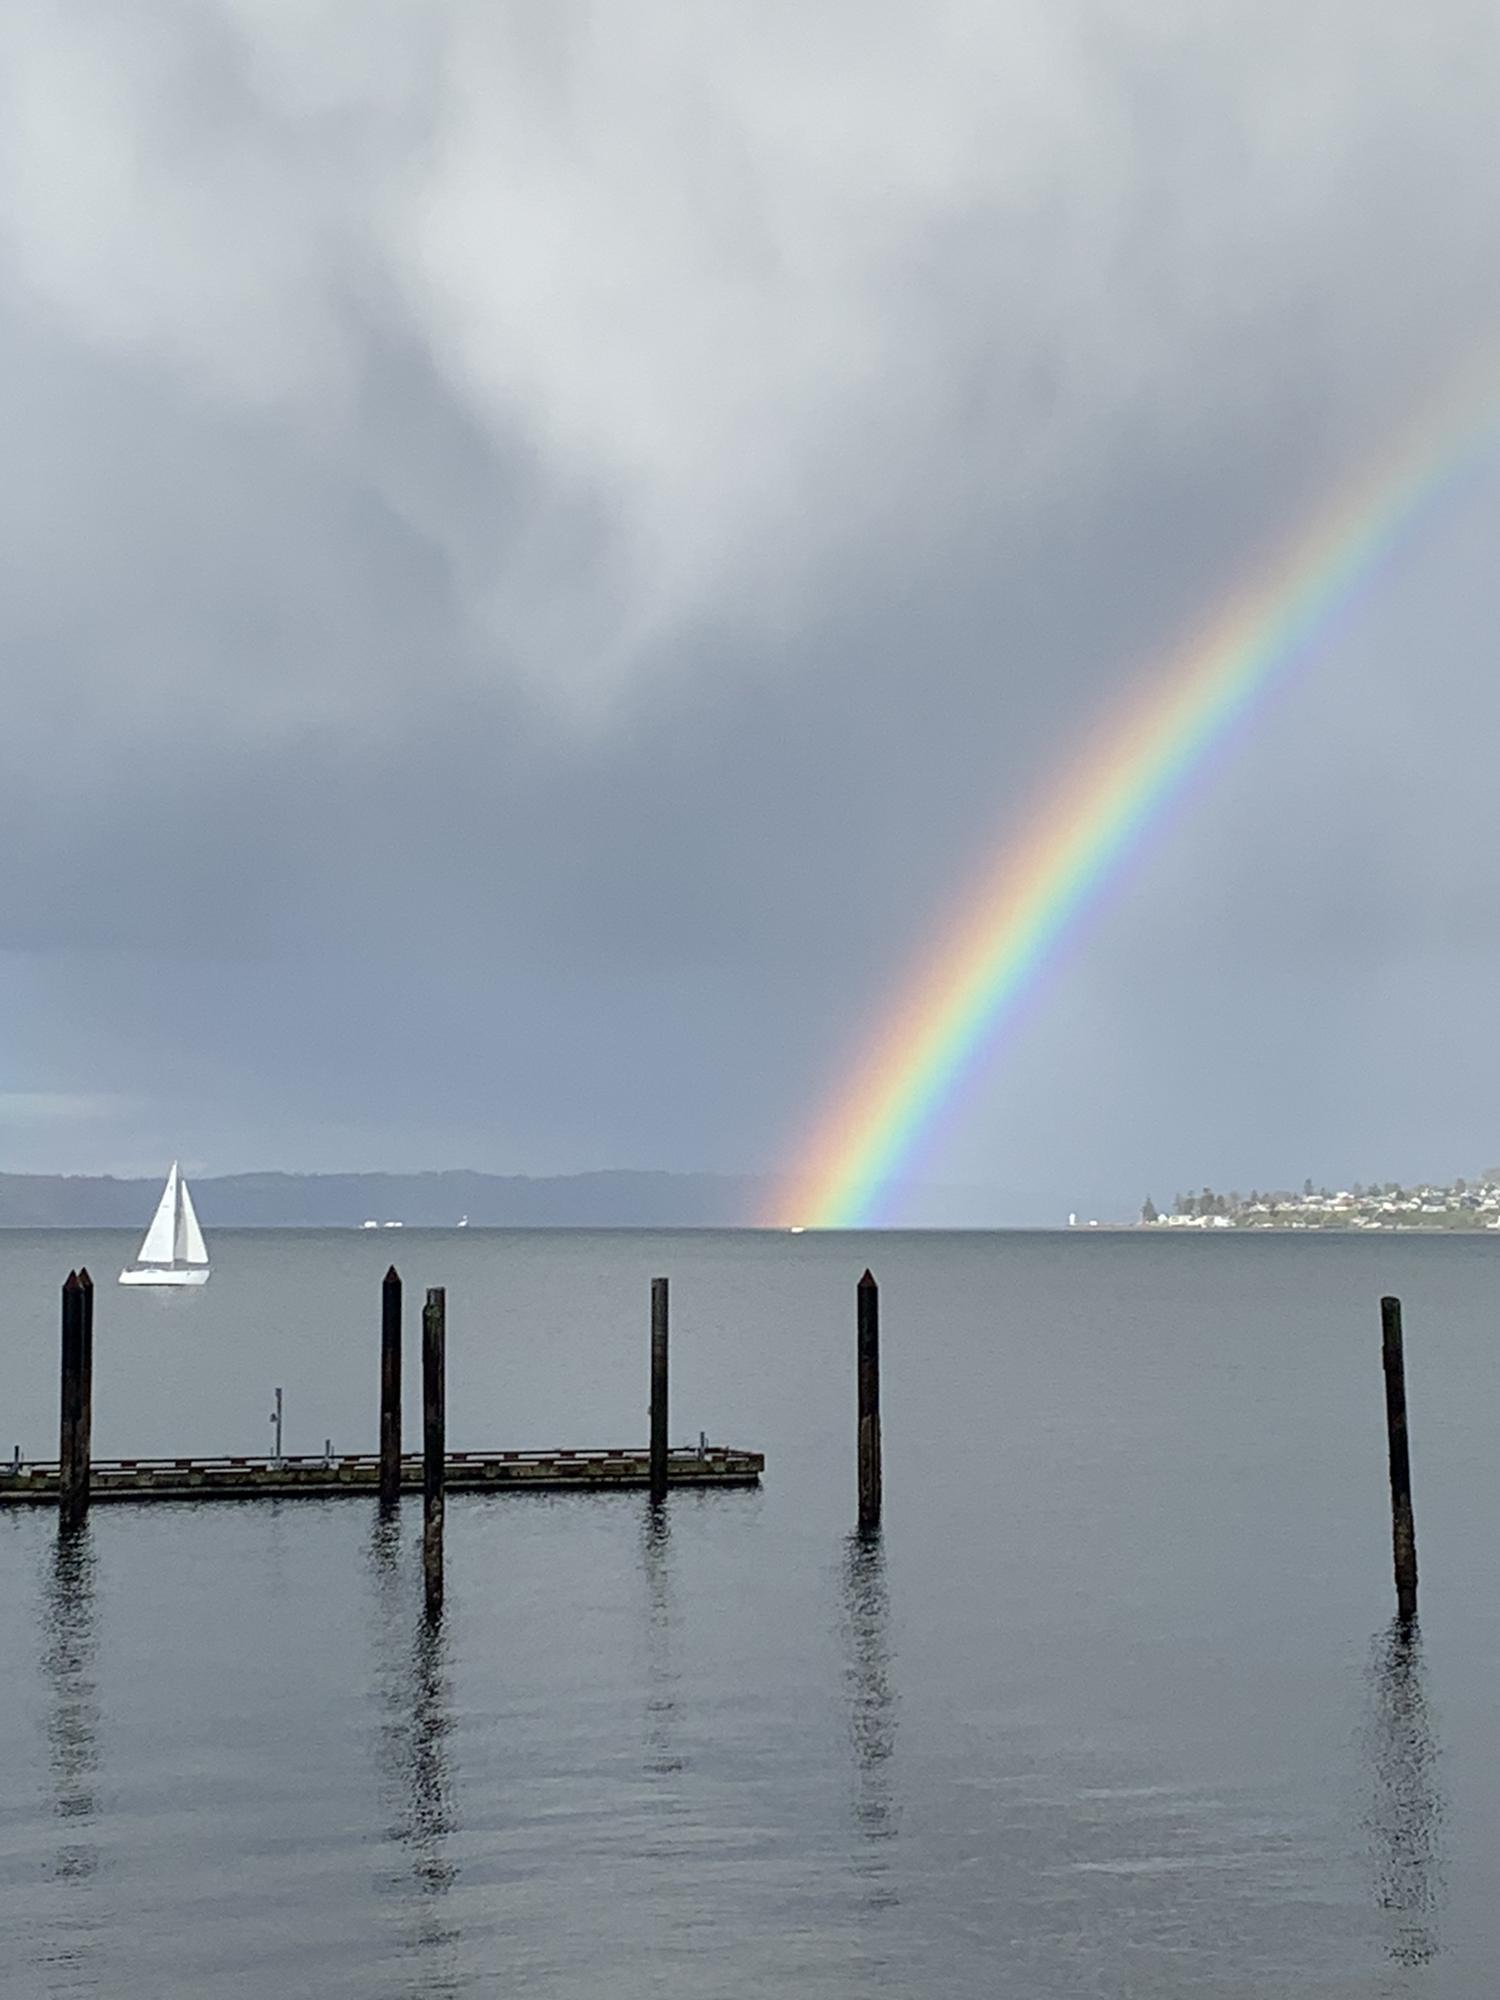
<point x="86" y="1384"/>
<point x="434" y="1443"/>
<point x="72" y="1465"/>
<point x="658" y="1390"/>
<point x="390" y="1389"/>
<point x="68" y="1387"/>
<point x="868" y="1316"/>
<point x="1403" y="1528"/>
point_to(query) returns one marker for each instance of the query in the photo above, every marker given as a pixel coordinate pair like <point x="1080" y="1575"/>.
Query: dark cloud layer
<point x="543" y="544"/>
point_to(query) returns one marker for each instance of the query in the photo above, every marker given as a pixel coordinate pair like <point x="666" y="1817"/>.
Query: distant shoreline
<point x="1457" y="1207"/>
<point x="438" y="1200"/>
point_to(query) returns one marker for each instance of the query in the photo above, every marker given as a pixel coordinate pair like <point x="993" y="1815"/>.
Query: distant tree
<point x="1358" y="1190"/>
<point x="1460" y="1186"/>
<point x="1148" y="1210"/>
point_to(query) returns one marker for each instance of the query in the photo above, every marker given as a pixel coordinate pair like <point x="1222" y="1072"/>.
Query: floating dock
<point x="326" y="1476"/>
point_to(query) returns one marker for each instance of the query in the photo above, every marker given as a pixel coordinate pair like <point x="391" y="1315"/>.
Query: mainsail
<point x="161" y="1238"/>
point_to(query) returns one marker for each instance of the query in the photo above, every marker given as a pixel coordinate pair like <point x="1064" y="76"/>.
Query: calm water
<point x="1113" y="1708"/>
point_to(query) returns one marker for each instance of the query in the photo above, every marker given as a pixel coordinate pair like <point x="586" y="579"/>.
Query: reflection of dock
<point x="322" y="1476"/>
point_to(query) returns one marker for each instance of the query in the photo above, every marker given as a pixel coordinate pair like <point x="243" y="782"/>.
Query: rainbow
<point x="1042" y="885"/>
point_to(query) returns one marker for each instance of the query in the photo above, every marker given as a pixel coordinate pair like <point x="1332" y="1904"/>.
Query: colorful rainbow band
<point x="1042" y="885"/>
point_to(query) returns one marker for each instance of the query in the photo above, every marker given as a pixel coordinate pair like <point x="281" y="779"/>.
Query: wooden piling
<point x="72" y="1483"/>
<point x="86" y="1387"/>
<point x="868" y="1366"/>
<point x="390" y="1389"/>
<point x="434" y="1415"/>
<point x="1403" y="1527"/>
<point x="658" y="1390"/>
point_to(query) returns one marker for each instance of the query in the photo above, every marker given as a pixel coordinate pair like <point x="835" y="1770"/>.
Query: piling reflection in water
<point x="1404" y="1823"/>
<point x="869" y="1686"/>
<point x="413" y="1699"/>
<point x="70" y="1662"/>
<point x="429" y="1779"/>
<point x="662" y="1755"/>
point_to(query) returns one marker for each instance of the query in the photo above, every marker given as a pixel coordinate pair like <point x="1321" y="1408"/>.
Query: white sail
<point x="174" y="1252"/>
<point x="160" y="1243"/>
<point x="189" y="1246"/>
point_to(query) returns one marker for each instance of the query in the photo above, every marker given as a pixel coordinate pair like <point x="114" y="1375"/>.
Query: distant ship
<point x="173" y="1252"/>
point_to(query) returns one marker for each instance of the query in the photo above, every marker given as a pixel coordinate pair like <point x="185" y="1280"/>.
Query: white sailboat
<point x="173" y="1252"/>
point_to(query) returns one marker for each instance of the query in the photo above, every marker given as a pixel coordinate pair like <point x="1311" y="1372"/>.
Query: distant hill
<point x="622" y="1200"/>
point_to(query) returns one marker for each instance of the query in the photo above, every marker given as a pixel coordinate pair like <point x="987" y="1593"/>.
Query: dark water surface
<point x="1114" y="1707"/>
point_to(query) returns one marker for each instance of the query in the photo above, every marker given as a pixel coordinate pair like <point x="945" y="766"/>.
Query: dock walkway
<point x="324" y="1477"/>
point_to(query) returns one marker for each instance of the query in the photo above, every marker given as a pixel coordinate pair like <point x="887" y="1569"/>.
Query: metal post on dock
<point x="868" y="1319"/>
<point x="434" y="1444"/>
<point x="390" y="1388"/>
<point x="276" y="1420"/>
<point x="658" y="1390"/>
<point x="73" y="1439"/>
<point x="1403" y="1527"/>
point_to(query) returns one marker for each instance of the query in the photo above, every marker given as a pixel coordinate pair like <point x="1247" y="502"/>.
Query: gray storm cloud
<point x="726" y="277"/>
<point x="530" y="476"/>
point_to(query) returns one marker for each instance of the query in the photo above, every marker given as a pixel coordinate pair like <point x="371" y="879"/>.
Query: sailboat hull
<point x="142" y="1274"/>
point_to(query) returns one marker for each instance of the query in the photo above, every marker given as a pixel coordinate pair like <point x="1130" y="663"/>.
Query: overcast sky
<point x="543" y="544"/>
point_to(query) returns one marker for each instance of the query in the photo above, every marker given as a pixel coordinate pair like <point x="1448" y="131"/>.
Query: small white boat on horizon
<point x="173" y="1251"/>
